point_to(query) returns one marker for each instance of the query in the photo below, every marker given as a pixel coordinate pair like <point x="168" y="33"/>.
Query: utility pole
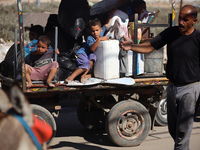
<point x="21" y="35"/>
<point x="181" y="3"/>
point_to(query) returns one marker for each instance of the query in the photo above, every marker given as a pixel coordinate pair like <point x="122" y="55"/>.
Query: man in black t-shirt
<point x="183" y="72"/>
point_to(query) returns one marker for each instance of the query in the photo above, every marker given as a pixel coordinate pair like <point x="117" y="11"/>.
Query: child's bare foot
<point x="29" y="84"/>
<point x="83" y="79"/>
<point x="50" y="84"/>
<point x="68" y="80"/>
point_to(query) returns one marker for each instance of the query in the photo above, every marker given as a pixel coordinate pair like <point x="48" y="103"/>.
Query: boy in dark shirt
<point x="42" y="66"/>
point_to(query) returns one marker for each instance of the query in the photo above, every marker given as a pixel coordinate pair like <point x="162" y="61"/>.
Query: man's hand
<point x="126" y="45"/>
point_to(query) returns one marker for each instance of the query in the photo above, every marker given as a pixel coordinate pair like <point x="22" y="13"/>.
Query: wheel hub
<point x="130" y="125"/>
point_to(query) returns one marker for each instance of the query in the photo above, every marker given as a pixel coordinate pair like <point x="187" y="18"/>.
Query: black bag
<point x="8" y="64"/>
<point x="73" y="16"/>
<point x="67" y="65"/>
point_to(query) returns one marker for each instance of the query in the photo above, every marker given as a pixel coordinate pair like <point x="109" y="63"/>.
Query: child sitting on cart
<point x="85" y="55"/>
<point x="35" y="32"/>
<point x="42" y="66"/>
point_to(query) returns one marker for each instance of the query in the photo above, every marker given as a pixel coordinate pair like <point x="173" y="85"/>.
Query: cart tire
<point x="128" y="123"/>
<point x="161" y="113"/>
<point x="46" y="116"/>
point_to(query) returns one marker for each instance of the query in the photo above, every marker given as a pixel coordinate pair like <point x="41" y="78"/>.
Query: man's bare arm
<point x="139" y="48"/>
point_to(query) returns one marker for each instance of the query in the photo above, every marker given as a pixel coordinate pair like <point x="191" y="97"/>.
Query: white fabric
<point x="118" y="25"/>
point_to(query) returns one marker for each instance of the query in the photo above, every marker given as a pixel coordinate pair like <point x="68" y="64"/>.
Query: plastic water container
<point x="107" y="63"/>
<point x="153" y="62"/>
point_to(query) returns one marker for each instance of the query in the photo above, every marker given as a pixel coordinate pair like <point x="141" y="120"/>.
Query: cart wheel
<point x="43" y="114"/>
<point x="128" y="123"/>
<point x="161" y="113"/>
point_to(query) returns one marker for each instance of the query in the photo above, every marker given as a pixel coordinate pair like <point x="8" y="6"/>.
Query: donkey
<point x="13" y="134"/>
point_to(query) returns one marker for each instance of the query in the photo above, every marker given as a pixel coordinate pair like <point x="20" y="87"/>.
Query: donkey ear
<point x="21" y="104"/>
<point x="18" y="100"/>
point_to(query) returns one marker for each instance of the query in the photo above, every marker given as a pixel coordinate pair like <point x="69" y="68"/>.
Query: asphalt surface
<point x="72" y="136"/>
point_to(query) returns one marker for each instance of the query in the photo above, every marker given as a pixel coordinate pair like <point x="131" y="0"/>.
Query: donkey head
<point x="16" y="103"/>
<point x="12" y="133"/>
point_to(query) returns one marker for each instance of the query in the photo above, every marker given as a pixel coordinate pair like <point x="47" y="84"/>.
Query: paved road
<point x="72" y="136"/>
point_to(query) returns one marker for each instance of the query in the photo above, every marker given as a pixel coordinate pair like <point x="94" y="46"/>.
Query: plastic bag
<point x="73" y="16"/>
<point x="8" y="64"/>
<point x="67" y="65"/>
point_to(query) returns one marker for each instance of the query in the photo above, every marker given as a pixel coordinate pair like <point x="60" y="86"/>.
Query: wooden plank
<point x="151" y="79"/>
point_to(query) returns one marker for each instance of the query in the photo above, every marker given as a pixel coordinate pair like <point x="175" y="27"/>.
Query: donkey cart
<point x="126" y="111"/>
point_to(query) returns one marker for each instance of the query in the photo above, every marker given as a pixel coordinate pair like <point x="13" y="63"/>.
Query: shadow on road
<point x="68" y="126"/>
<point x="76" y="146"/>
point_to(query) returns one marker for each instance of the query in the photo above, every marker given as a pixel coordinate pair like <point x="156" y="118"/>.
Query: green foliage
<point x="8" y="22"/>
<point x="9" y="17"/>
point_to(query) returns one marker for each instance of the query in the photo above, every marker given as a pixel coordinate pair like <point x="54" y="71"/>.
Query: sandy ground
<point x="8" y="2"/>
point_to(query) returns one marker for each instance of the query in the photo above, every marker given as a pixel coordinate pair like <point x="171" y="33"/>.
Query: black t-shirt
<point x="34" y="58"/>
<point x="183" y="64"/>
